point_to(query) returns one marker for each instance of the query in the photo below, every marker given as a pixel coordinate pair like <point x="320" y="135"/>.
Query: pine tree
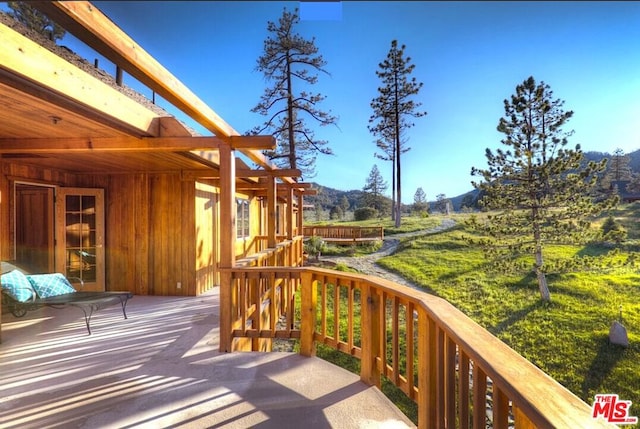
<point x="618" y="174"/>
<point x="374" y="189"/>
<point x="540" y="192"/>
<point x="35" y="20"/>
<point x="344" y="204"/>
<point x="420" y="203"/>
<point x="289" y="59"/>
<point x="443" y="204"/>
<point x="392" y="111"/>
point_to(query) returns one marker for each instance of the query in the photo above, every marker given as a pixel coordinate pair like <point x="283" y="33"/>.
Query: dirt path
<point x="367" y="264"/>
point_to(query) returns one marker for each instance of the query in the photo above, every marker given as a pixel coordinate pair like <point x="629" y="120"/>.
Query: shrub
<point x="613" y="230"/>
<point x="314" y="246"/>
<point x="364" y="213"/>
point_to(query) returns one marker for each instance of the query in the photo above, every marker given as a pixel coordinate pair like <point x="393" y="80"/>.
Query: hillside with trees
<point x="328" y="198"/>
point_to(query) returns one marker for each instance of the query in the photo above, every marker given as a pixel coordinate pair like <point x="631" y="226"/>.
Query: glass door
<point x="80" y="236"/>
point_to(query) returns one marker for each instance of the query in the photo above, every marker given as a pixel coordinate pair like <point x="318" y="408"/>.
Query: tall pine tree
<point x="539" y="191"/>
<point x="393" y="110"/>
<point x="289" y="60"/>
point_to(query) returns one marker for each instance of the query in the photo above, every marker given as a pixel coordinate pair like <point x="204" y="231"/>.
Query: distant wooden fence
<point x="345" y="234"/>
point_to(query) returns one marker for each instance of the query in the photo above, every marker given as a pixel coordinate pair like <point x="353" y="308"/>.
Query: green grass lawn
<point x="568" y="337"/>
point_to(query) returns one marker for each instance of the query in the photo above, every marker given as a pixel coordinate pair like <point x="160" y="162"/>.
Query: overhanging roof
<point x="47" y="101"/>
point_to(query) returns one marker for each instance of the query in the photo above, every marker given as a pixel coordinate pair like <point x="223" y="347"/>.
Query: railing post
<point x="309" y="302"/>
<point x="427" y="405"/>
<point x="370" y="336"/>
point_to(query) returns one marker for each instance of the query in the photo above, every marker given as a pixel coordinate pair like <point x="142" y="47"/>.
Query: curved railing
<point x="458" y="373"/>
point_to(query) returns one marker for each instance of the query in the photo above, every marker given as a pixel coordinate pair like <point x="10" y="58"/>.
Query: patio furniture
<point x="23" y="292"/>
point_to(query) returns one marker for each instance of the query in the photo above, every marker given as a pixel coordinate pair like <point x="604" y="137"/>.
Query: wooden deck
<point x="161" y="368"/>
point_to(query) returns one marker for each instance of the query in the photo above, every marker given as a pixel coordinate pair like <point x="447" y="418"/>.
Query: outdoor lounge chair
<point x="23" y="292"/>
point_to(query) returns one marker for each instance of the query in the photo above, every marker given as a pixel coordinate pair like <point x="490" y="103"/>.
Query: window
<point x="242" y="218"/>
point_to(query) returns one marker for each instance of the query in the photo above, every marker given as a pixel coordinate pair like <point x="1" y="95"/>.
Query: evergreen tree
<point x="618" y="173"/>
<point x="336" y="213"/>
<point x="443" y="204"/>
<point x="393" y="110"/>
<point x="374" y="189"/>
<point x="35" y="20"/>
<point x="420" y="203"/>
<point x="289" y="59"/>
<point x="540" y="191"/>
<point x="344" y="204"/>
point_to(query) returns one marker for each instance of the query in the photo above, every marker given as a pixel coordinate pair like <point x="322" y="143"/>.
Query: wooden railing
<point x="457" y="372"/>
<point x="287" y="253"/>
<point x="345" y="234"/>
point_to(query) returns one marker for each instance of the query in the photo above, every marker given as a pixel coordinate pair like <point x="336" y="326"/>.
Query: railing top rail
<point x="375" y="228"/>
<point x="546" y="402"/>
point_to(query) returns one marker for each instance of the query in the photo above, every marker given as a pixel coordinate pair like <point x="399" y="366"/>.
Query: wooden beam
<point x="260" y="192"/>
<point x="109" y="144"/>
<point x="297" y="185"/>
<point x="36" y="65"/>
<point x="252" y="142"/>
<point x="290" y="172"/>
<point x="261" y="185"/>
<point x="85" y="21"/>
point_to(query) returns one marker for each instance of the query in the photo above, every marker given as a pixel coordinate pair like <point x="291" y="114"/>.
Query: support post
<point x="300" y="213"/>
<point x="272" y="197"/>
<point x="228" y="295"/>
<point x="371" y="341"/>
<point x="290" y="217"/>
<point x="309" y="298"/>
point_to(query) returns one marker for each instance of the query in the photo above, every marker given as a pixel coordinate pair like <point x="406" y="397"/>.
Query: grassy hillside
<point x="567" y="338"/>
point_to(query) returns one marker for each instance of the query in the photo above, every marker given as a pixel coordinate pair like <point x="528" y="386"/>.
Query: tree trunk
<point x="393" y="185"/>
<point x="542" y="279"/>
<point x="397" y="155"/>
<point x="292" y="144"/>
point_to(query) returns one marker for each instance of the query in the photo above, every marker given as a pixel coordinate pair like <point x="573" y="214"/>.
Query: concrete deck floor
<point x="161" y="368"/>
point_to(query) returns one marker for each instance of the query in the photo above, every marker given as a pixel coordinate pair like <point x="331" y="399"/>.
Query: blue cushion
<point x="47" y="285"/>
<point x="17" y="286"/>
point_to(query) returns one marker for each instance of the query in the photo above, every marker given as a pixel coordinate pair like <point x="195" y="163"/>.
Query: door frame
<point x="50" y="213"/>
<point x="99" y="229"/>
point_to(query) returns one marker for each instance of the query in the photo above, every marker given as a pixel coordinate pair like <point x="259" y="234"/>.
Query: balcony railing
<point x="287" y="253"/>
<point x="458" y="373"/>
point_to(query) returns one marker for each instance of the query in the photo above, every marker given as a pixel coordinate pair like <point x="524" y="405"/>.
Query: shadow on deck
<point x="161" y="368"/>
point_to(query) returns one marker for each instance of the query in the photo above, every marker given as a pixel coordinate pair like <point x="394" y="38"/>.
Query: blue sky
<point x="469" y="55"/>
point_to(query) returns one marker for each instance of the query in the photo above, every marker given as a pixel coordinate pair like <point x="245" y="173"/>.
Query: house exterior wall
<point x="150" y="231"/>
<point x="161" y="231"/>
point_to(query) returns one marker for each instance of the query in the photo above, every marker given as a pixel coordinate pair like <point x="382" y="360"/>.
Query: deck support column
<point x="228" y="295"/>
<point x="272" y="197"/>
<point x="300" y="213"/>
<point x="290" y="217"/>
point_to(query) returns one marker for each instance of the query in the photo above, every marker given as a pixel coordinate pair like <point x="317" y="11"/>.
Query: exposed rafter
<point x="39" y="68"/>
<point x="290" y="172"/>
<point x="124" y="144"/>
<point x="90" y="25"/>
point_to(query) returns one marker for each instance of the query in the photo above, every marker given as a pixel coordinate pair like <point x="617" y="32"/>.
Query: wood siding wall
<point x="159" y="228"/>
<point x="161" y="231"/>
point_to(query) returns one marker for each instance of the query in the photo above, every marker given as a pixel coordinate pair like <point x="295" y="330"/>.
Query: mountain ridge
<point x="331" y="197"/>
